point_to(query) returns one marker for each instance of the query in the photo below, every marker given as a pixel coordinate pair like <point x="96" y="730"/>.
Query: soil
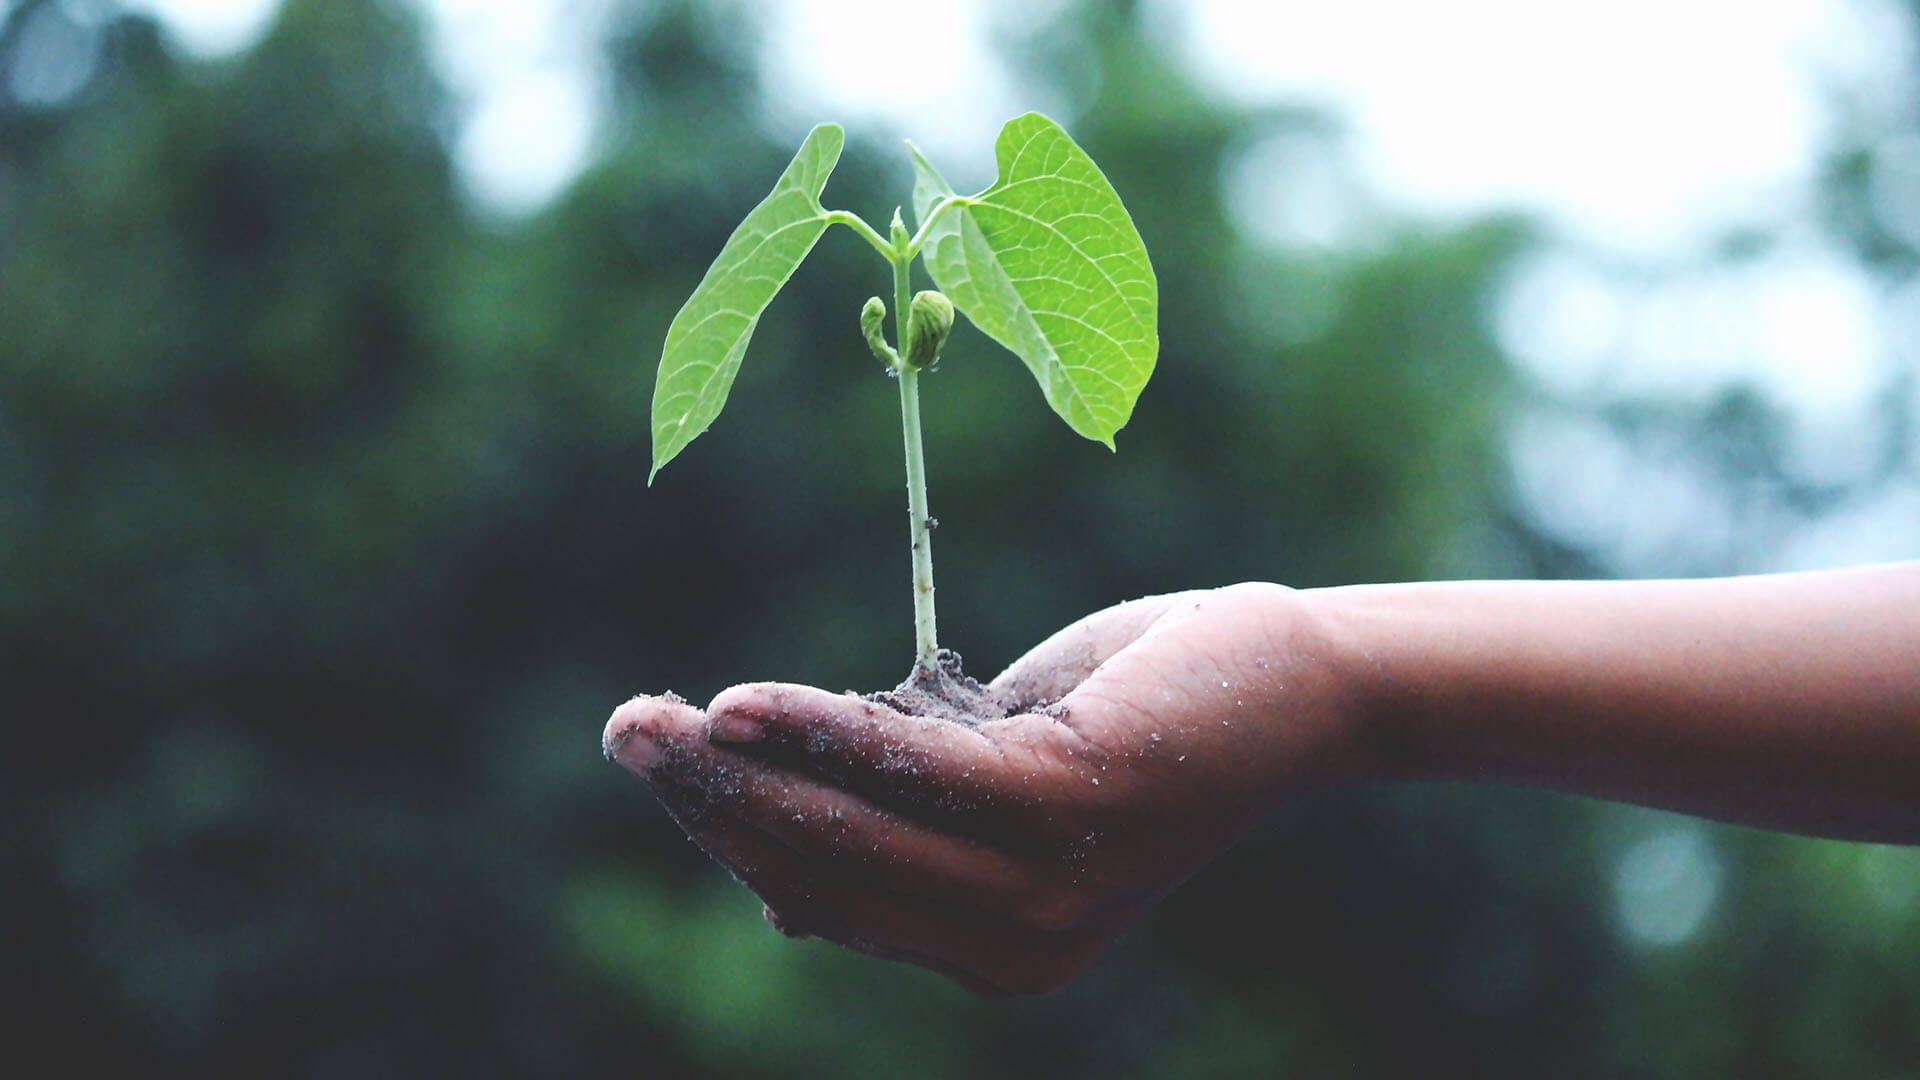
<point x="945" y="692"/>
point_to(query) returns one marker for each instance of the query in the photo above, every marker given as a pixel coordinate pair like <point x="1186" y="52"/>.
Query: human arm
<point x="1008" y="855"/>
<point x="1787" y="701"/>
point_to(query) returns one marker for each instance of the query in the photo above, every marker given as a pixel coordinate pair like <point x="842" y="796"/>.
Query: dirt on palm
<point x="946" y="692"/>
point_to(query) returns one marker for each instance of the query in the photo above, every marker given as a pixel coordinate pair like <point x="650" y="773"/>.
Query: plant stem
<point x="922" y="536"/>
<point x="933" y="215"/>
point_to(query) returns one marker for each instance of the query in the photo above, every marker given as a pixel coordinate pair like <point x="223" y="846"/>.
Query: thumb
<point x="1052" y="669"/>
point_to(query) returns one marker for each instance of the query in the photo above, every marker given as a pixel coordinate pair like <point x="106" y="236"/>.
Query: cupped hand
<point x="1150" y="736"/>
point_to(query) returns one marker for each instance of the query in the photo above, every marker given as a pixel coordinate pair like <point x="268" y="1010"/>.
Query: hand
<point x="1151" y="736"/>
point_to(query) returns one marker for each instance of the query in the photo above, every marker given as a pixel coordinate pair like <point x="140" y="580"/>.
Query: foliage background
<point x="326" y="549"/>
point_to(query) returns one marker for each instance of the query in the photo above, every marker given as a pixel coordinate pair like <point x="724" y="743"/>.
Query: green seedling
<point x="1046" y="262"/>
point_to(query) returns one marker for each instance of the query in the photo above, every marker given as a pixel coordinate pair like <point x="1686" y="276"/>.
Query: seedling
<point x="1046" y="262"/>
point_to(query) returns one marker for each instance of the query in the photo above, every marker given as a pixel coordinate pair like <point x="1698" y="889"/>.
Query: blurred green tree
<point x="326" y="544"/>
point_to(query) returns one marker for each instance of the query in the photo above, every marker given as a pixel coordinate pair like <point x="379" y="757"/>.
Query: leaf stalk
<point x="926" y="642"/>
<point x="926" y="224"/>
<point x="866" y="232"/>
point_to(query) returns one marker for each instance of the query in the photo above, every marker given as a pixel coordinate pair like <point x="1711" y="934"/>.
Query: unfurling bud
<point x="871" y="316"/>
<point x="897" y="231"/>
<point x="929" y="321"/>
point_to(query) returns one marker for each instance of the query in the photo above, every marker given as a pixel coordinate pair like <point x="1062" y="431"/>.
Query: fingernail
<point x="735" y="727"/>
<point x="624" y="740"/>
<point x="632" y="749"/>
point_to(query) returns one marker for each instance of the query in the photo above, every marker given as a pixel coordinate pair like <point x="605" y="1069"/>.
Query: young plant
<point x="1046" y="262"/>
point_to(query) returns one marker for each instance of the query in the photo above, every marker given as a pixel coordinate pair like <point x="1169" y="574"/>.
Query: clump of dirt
<point x="946" y="692"/>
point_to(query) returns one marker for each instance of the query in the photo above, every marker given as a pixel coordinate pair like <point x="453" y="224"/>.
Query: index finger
<point x="936" y="769"/>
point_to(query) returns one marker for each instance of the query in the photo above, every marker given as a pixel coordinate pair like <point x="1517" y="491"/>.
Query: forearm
<point x="1789" y="702"/>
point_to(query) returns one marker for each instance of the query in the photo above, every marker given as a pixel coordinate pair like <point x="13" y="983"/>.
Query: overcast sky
<point x="1633" y="120"/>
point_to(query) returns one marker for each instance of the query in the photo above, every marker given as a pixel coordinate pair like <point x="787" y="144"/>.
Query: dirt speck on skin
<point x="945" y="692"/>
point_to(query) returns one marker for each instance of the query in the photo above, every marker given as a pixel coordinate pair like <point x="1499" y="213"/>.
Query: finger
<point x="942" y="770"/>
<point x="664" y="740"/>
<point x="1050" y="670"/>
<point x="988" y="959"/>
<point x="960" y="975"/>
<point x="985" y="956"/>
<point x="774" y="920"/>
<point x="858" y="842"/>
<point x="640" y="732"/>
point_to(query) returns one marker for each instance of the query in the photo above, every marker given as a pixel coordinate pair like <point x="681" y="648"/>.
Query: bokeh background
<point x="326" y="346"/>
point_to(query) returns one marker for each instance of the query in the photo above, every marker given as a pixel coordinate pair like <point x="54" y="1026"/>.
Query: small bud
<point x="871" y="318"/>
<point x="899" y="231"/>
<point x="929" y="321"/>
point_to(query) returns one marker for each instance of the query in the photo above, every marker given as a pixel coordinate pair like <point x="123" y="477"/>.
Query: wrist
<point x="1318" y="687"/>
<point x="1362" y="630"/>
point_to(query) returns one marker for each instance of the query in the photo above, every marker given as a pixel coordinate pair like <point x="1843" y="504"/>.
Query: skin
<point x="1007" y="856"/>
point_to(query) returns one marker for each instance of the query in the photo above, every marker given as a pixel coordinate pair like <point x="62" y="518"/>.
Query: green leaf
<point x="1048" y="263"/>
<point x="709" y="335"/>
